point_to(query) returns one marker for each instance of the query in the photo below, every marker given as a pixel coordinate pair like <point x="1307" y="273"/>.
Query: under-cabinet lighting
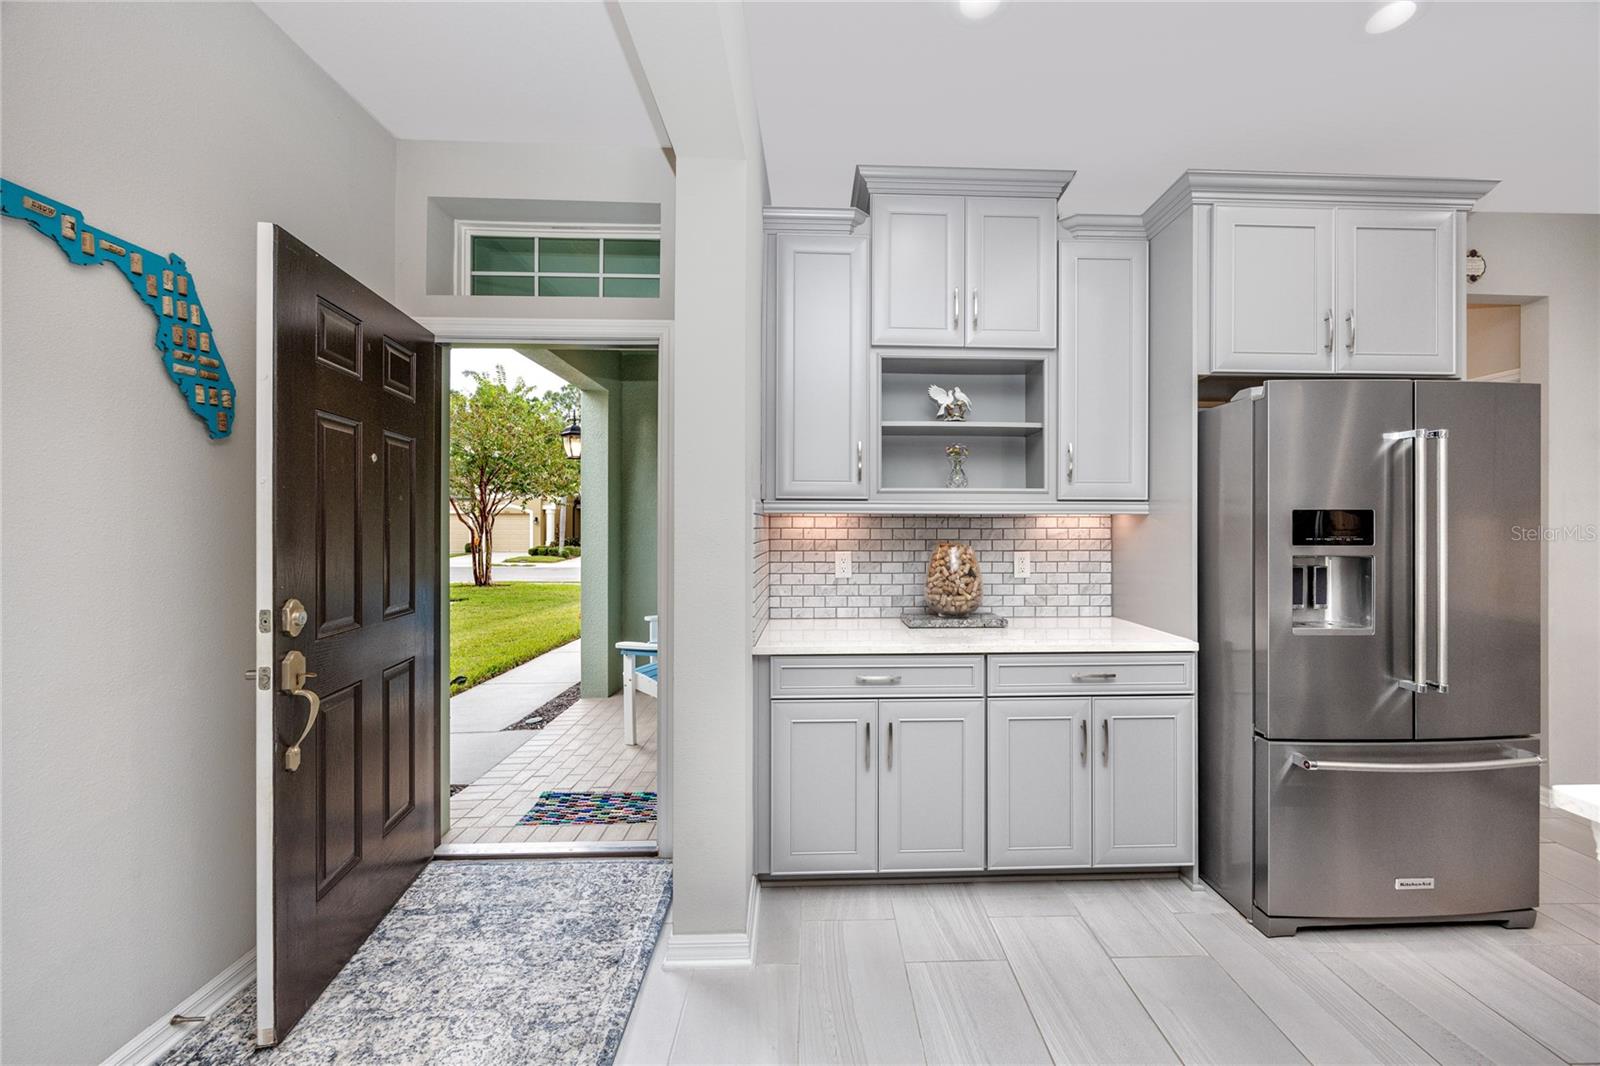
<point x="1391" y="16"/>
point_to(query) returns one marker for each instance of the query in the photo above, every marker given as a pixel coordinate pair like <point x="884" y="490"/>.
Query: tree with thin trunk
<point x="505" y="447"/>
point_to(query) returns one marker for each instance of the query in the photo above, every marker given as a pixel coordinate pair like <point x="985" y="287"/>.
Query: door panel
<point x="821" y="355"/>
<point x="1144" y="781"/>
<point x="1491" y="632"/>
<point x="1344" y="844"/>
<point x="917" y="268"/>
<point x="824" y="786"/>
<point x="1323" y="447"/>
<point x="931" y="802"/>
<point x="350" y="440"/>
<point x="1396" y="291"/>
<point x="1273" y="290"/>
<point x="1010" y="273"/>
<point x="1038" y="787"/>
<point x="1104" y="380"/>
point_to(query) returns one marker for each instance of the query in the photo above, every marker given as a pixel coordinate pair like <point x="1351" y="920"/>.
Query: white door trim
<point x="590" y="332"/>
<point x="266" y="747"/>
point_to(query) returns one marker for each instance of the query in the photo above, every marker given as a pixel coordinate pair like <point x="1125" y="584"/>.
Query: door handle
<point x="1072" y="466"/>
<point x="1327" y="322"/>
<point x="889" y="753"/>
<point x="860" y="460"/>
<point x="1441" y="519"/>
<point x="955" y="304"/>
<point x="1419" y="559"/>
<point x="1105" y="742"/>
<point x="294" y="676"/>
<point x="1515" y="760"/>
<point x="867" y="746"/>
<point x="1083" y="741"/>
<point x="974" y="310"/>
<point x="1350" y="337"/>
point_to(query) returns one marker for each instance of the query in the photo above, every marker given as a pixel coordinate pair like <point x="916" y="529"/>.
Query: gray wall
<point x="128" y="867"/>
<point x="1554" y="260"/>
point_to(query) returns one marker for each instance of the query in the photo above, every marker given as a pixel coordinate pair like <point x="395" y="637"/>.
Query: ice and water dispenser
<point x="1332" y="570"/>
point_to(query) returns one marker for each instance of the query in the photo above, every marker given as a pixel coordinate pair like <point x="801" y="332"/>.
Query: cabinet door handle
<point x="1350" y="339"/>
<point x="860" y="450"/>
<point x="974" y="310"/>
<point x="889" y="755"/>
<point x="1327" y="321"/>
<point x="1072" y="466"/>
<point x="866" y="747"/>
<point x="1105" y="742"/>
<point x="1083" y="741"/>
<point x="955" y="304"/>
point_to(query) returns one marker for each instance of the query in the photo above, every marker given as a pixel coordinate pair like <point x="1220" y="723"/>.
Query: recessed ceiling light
<point x="978" y="9"/>
<point x="1391" y="16"/>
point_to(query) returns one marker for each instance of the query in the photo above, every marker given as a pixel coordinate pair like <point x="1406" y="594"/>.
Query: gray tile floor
<point x="1132" y="971"/>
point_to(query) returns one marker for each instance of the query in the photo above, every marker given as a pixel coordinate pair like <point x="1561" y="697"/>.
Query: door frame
<point x="586" y="333"/>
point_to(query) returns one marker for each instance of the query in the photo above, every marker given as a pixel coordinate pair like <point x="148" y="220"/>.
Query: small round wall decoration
<point x="1477" y="267"/>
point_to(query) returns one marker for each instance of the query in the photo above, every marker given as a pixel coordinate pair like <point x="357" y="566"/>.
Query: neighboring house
<point x="525" y="525"/>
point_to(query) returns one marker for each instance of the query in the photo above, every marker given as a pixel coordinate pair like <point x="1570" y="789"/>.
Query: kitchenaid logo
<point x="1579" y="534"/>
<point x="1412" y="884"/>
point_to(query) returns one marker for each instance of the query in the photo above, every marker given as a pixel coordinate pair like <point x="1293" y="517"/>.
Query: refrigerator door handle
<point x="1517" y="758"/>
<point x="1441" y="518"/>
<point x="1419" y="552"/>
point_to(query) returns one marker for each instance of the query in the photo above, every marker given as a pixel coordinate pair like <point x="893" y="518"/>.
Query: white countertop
<point x="889" y="636"/>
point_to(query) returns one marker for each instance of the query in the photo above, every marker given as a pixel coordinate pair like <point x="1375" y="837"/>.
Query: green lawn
<point x="497" y="627"/>
<point x="524" y="560"/>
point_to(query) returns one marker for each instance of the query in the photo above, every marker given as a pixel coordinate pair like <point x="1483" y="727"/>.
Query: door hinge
<point x="263" y="621"/>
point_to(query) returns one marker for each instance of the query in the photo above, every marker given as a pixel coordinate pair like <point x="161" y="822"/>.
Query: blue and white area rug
<point x="592" y="808"/>
<point x="480" y="962"/>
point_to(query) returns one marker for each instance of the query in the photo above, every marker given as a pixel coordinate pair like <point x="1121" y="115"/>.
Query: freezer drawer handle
<point x="1521" y="758"/>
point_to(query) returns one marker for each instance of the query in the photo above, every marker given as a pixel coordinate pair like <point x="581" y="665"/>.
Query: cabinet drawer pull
<point x="1105" y="742"/>
<point x="1327" y="343"/>
<point x="877" y="679"/>
<point x="867" y="746"/>
<point x="974" y="310"/>
<point x="1083" y="741"/>
<point x="955" y="305"/>
<point x="1350" y="341"/>
<point x="889" y="754"/>
<point x="1102" y="676"/>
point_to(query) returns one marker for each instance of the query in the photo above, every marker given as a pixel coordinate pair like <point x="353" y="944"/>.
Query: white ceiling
<point x="535" y="73"/>
<point x="1130" y="95"/>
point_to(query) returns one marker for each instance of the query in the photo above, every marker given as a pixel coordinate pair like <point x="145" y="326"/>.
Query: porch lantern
<point x="572" y="438"/>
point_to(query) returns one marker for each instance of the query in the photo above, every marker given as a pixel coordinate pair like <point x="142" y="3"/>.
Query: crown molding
<point x="1104" y="227"/>
<point x="1282" y="187"/>
<point x="956" y="181"/>
<point x="838" y="220"/>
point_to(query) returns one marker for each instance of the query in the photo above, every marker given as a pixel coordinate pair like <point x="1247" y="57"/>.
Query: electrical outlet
<point x="841" y="564"/>
<point x="1022" y="564"/>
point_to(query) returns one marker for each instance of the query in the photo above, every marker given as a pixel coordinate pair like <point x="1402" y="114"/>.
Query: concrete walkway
<point x="479" y="716"/>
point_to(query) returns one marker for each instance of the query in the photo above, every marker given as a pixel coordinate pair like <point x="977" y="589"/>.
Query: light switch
<point x="1022" y="564"/>
<point x="841" y="564"/>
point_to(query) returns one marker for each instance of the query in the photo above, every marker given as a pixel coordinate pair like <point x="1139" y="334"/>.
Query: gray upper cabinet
<point x="1395" y="280"/>
<point x="824" y="786"/>
<point x="1144" y="803"/>
<point x="820" y="366"/>
<point x="1010" y="272"/>
<point x="1039" y="783"/>
<point x="1324" y="273"/>
<point x="918" y="270"/>
<point x="1272" y="290"/>
<point x="1103" y="382"/>
<point x="931" y="785"/>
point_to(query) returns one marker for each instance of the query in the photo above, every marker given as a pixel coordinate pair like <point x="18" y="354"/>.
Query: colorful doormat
<point x="591" y="808"/>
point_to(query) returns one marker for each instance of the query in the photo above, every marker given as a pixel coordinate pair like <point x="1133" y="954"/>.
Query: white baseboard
<point x="161" y="1036"/>
<point x="686" y="950"/>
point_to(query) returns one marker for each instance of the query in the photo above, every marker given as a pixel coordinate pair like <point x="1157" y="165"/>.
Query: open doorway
<point x="554" y="730"/>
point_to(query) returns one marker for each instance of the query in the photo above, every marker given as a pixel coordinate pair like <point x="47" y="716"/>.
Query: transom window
<point x="559" y="261"/>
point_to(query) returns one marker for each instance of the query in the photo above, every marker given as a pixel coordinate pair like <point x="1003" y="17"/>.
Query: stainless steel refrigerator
<point x="1369" y="652"/>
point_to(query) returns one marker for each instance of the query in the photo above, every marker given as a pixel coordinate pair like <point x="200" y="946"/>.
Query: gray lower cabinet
<point x="930" y="785"/>
<point x="1039" y="782"/>
<point x="1143" y="780"/>
<point x="824" y="786"/>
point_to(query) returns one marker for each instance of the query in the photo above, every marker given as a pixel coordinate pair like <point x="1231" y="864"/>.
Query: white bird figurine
<point x="953" y="405"/>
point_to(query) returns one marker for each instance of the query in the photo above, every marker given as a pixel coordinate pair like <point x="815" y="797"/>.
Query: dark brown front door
<point x="355" y="525"/>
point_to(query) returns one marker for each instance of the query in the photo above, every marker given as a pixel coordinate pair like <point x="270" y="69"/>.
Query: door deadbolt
<point x="294" y="616"/>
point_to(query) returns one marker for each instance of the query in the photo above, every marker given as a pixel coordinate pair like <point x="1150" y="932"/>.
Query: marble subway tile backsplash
<point x="1071" y="561"/>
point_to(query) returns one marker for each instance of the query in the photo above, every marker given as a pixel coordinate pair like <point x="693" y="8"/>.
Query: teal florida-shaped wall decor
<point x="183" y="330"/>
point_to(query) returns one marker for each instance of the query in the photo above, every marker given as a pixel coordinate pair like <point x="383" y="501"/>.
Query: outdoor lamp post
<point x="572" y="437"/>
